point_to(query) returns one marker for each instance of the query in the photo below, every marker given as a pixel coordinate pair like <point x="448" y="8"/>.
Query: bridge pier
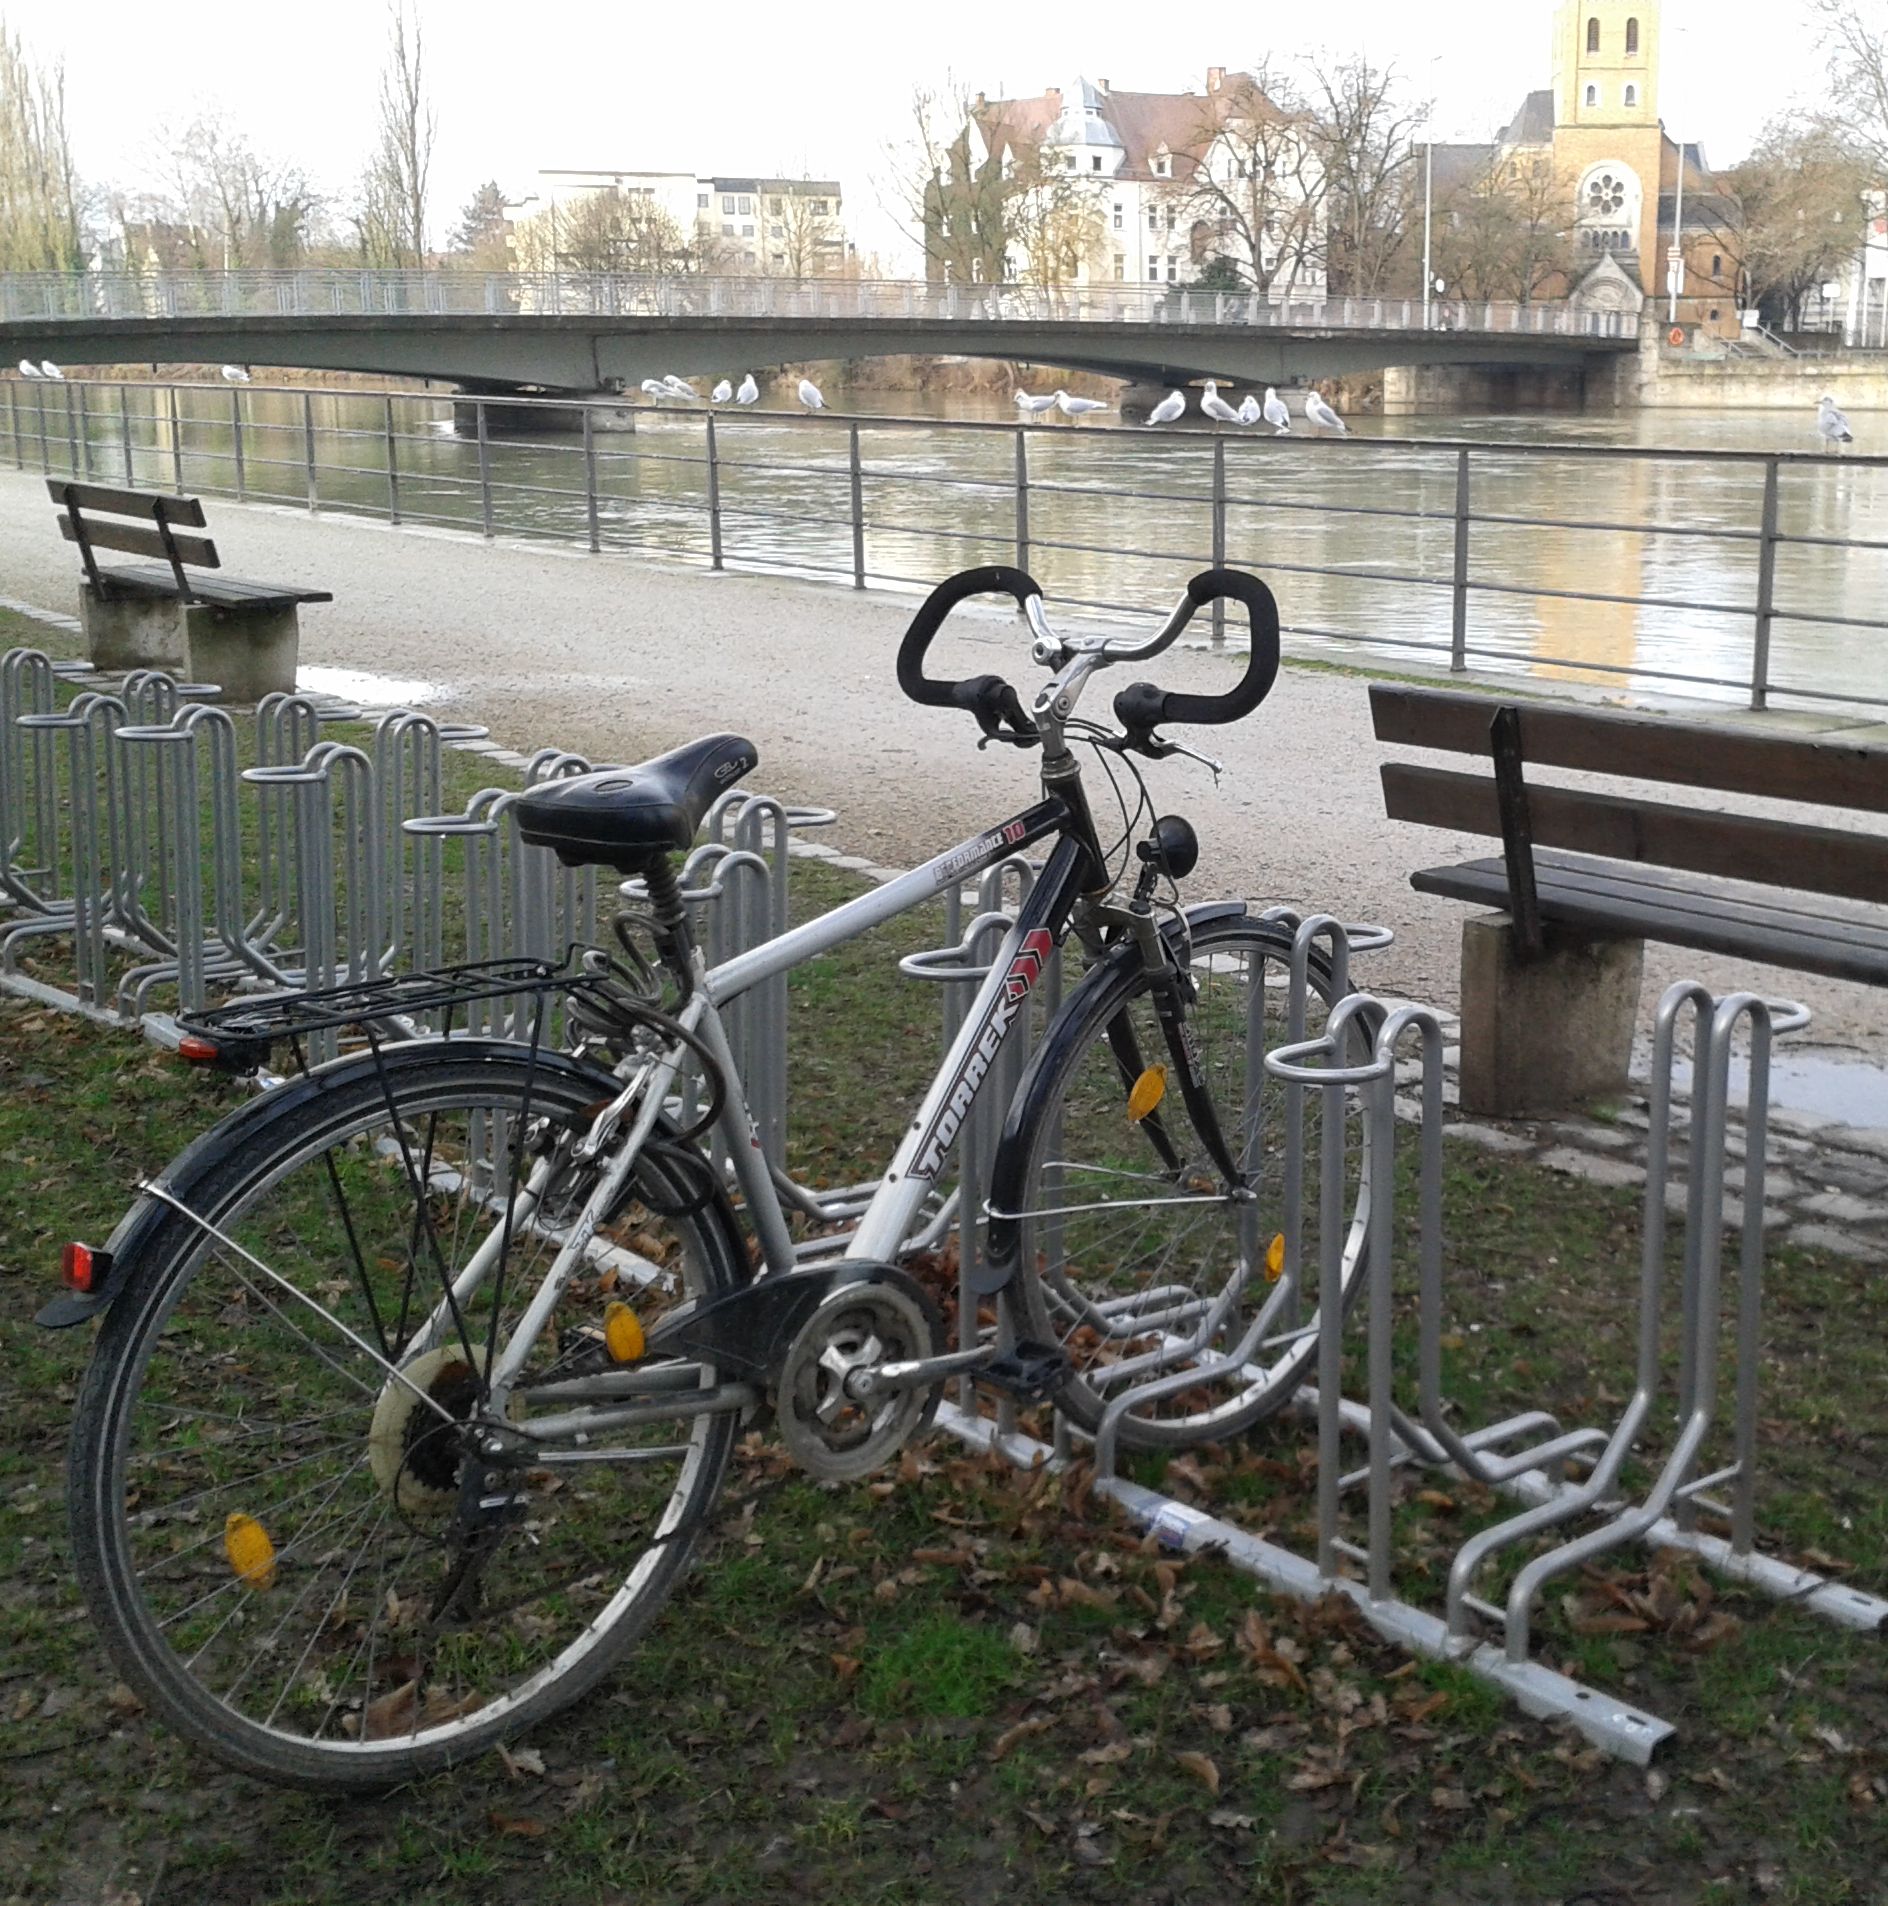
<point x="1409" y="390"/>
<point x="508" y="415"/>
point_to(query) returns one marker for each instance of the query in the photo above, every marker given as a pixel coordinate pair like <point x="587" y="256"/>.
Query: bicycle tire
<point x="295" y="1432"/>
<point x="1121" y="1254"/>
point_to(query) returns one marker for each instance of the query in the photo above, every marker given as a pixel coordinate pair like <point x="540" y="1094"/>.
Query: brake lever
<point x="1159" y="748"/>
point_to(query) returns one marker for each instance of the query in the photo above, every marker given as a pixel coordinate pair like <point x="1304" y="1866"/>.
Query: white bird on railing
<point x="1249" y="411"/>
<point x="1170" y="409"/>
<point x="809" y="395"/>
<point x="1321" y="416"/>
<point x="749" y="393"/>
<point x="722" y="392"/>
<point x="1216" y="407"/>
<point x="47" y="368"/>
<point x="235" y="374"/>
<point x="29" y="369"/>
<point x="1276" y="414"/>
<point x="1078" y="406"/>
<point x="1033" y="406"/>
<point x="680" y="387"/>
<point x="1831" y="425"/>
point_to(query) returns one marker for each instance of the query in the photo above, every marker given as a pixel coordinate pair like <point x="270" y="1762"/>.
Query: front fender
<point x="251" y="1124"/>
<point x="1010" y="1165"/>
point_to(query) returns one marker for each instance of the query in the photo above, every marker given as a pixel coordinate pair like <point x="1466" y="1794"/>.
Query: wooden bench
<point x="169" y="613"/>
<point x="1550" y="983"/>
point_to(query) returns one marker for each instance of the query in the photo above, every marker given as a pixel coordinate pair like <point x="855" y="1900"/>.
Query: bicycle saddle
<point x="625" y="817"/>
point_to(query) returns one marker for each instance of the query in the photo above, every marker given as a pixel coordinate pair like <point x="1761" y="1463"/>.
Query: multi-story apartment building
<point x="634" y="221"/>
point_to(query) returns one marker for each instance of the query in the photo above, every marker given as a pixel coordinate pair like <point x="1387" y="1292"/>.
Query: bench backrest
<point x="86" y="510"/>
<point x="1778" y="853"/>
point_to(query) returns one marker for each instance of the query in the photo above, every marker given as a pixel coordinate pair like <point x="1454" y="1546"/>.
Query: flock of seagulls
<point x="1274" y="411"/>
<point x="45" y="368"/>
<point x="1033" y="404"/>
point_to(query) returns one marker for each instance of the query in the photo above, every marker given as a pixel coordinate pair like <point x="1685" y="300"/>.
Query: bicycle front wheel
<point x="280" y="1513"/>
<point x="1139" y="1257"/>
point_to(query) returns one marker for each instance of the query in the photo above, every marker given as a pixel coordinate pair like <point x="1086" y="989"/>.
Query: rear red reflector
<point x="83" y="1268"/>
<point x="200" y="1052"/>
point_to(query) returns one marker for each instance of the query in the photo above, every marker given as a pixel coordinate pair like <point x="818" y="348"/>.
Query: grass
<point x="955" y="1681"/>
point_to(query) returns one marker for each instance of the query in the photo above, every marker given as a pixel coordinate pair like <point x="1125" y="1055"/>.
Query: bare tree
<point x="391" y="217"/>
<point x="1054" y="223"/>
<point x="1505" y="232"/>
<point x="1802" y="199"/>
<point x="1365" y="132"/>
<point x="1855" y="33"/>
<point x="605" y="231"/>
<point x="40" y="209"/>
<point x="801" y="230"/>
<point x="947" y="190"/>
<point x="219" y="204"/>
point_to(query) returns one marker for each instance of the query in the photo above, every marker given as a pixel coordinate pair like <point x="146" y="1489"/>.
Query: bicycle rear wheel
<point x="1138" y="1258"/>
<point x="297" y="1556"/>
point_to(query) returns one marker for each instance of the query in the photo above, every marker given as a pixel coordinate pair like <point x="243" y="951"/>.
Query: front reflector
<point x="622" y="1333"/>
<point x="1149" y="1089"/>
<point x="251" y="1553"/>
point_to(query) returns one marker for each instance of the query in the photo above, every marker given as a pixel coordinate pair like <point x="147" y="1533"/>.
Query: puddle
<point x="1822" y="1083"/>
<point x="375" y="691"/>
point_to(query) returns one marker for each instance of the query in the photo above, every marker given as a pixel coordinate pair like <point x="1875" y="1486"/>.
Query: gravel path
<point x="618" y="659"/>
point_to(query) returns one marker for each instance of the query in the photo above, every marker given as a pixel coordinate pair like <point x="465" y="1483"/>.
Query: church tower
<point x="1606" y="63"/>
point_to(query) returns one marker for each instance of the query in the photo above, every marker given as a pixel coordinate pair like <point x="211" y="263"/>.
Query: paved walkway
<point x="618" y="658"/>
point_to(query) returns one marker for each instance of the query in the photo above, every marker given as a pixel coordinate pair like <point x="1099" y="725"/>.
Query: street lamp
<point x="1429" y="195"/>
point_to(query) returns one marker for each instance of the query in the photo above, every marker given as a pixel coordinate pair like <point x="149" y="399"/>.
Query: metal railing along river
<point x="327" y="293"/>
<point x="1417" y="549"/>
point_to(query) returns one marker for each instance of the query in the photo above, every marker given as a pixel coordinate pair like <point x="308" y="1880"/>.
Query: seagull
<point x="722" y="392"/>
<point x="1216" y="407"/>
<point x="809" y="395"/>
<point x="1249" y="411"/>
<point x="679" y="387"/>
<point x="1170" y="409"/>
<point x="1831" y="425"/>
<point x="1276" y="414"/>
<point x="1073" y="407"/>
<point x="749" y="393"/>
<point x="29" y="369"/>
<point x="1033" y="406"/>
<point x="1321" y="416"/>
<point x="47" y="368"/>
<point x="235" y="374"/>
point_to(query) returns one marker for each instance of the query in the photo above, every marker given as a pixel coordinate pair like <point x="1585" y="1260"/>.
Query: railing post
<point x="485" y="469"/>
<point x="1219" y="535"/>
<point x="308" y="451"/>
<point x="714" y="495"/>
<point x="393" y="466"/>
<point x="176" y="444"/>
<point x="236" y="429"/>
<point x="72" y="433"/>
<point x="13" y="415"/>
<point x="590" y="479"/>
<point x="858" y="510"/>
<point x="85" y="429"/>
<point x="1458" y="600"/>
<point x="1766" y="587"/>
<point x="1022" y="499"/>
<point x="124" y="430"/>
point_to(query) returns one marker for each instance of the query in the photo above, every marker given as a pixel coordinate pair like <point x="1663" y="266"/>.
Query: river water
<point x="1359" y="542"/>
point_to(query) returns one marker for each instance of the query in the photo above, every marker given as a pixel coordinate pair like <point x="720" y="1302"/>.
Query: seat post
<point x="668" y="914"/>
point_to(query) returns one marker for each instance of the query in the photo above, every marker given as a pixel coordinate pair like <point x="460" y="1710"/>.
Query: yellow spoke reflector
<point x="1149" y="1089"/>
<point x="1275" y="1259"/>
<point x="622" y="1333"/>
<point x="251" y="1553"/>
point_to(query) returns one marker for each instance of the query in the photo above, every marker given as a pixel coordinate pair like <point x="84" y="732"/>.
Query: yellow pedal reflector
<point x="1275" y="1259"/>
<point x="251" y="1553"/>
<point x="622" y="1333"/>
<point x="1149" y="1089"/>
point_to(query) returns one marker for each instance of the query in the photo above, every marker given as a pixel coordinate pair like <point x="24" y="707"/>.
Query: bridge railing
<point x="59" y="296"/>
<point x="1751" y="575"/>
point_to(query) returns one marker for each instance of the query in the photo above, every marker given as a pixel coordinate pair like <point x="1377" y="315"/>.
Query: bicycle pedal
<point x="1030" y="1372"/>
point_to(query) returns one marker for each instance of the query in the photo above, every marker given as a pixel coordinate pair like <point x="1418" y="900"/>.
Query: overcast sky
<point x="750" y="88"/>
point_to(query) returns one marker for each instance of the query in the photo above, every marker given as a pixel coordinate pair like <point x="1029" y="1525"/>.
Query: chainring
<point x="887" y="1317"/>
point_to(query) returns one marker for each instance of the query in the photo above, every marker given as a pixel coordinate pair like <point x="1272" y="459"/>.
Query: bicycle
<point x="418" y="1374"/>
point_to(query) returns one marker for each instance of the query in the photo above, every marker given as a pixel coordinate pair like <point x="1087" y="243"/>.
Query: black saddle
<point x="627" y="817"/>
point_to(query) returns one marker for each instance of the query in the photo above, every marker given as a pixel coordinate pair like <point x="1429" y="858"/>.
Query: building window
<point x="1095" y="162"/>
<point x="1592" y="95"/>
<point x="1632" y="36"/>
<point x="727" y="201"/>
<point x="747" y="231"/>
<point x="1153" y="271"/>
<point x="1632" y="95"/>
<point x="727" y="228"/>
<point x="1153" y="219"/>
<point x="746" y="206"/>
<point x="1173" y="271"/>
<point x="774" y="207"/>
<point x="1593" y="35"/>
<point x="1120" y="268"/>
<point x="1717" y="264"/>
<point x="1117" y="218"/>
<point x="819" y="208"/>
<point x="701" y="201"/>
<point x="780" y="258"/>
<point x="776" y="231"/>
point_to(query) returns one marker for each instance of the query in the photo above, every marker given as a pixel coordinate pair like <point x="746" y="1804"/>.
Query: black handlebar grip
<point x="994" y="580"/>
<point x="1143" y="706"/>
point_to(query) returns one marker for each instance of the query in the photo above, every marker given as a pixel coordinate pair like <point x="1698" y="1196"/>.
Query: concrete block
<point x="1546" y="1034"/>
<point x="1596" y="1171"/>
<point x="127" y="632"/>
<point x="248" y="653"/>
<point x="1490" y="1138"/>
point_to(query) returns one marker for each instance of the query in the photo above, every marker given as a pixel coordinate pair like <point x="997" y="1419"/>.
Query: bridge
<point x="575" y="333"/>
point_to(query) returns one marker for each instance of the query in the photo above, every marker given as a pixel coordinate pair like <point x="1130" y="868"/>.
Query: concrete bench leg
<point x="248" y="653"/>
<point x="1546" y="1034"/>
<point x="127" y="632"/>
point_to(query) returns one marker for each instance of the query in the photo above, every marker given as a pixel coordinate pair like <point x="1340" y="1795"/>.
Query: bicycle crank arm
<point x="916" y="1373"/>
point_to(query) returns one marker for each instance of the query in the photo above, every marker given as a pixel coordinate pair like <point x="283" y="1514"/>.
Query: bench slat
<point x="135" y="540"/>
<point x="1851" y="949"/>
<point x="1643" y="747"/>
<point x="230" y="592"/>
<point x="186" y="511"/>
<point x="1734" y="846"/>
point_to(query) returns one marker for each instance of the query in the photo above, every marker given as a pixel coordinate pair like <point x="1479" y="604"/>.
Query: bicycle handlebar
<point x="989" y="697"/>
<point x="1141" y="707"/>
